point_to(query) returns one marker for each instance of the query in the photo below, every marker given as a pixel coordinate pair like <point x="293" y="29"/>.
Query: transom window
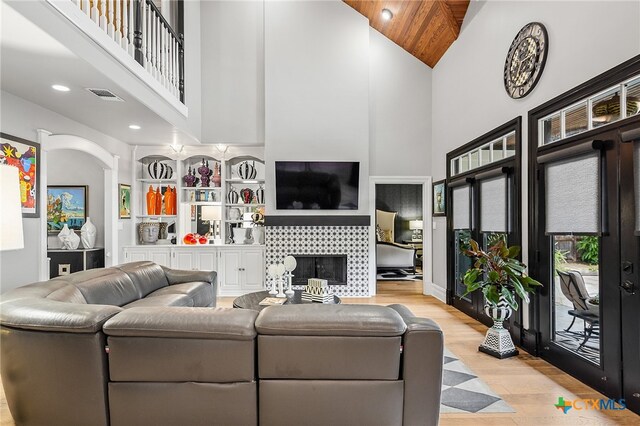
<point x="491" y="152"/>
<point x="608" y="106"/>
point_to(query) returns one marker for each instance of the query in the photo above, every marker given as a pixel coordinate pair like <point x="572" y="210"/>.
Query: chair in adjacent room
<point x="389" y="254"/>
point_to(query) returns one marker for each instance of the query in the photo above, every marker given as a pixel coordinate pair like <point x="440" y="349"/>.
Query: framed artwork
<point x="439" y="198"/>
<point x="124" y="201"/>
<point x="25" y="155"/>
<point x="66" y="204"/>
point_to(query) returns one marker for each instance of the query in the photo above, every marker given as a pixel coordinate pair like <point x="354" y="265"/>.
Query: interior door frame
<point x="537" y="265"/>
<point x="515" y="235"/>
<point x="427" y="237"/>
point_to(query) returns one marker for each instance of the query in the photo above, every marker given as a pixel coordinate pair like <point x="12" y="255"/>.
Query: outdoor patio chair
<point x="574" y="289"/>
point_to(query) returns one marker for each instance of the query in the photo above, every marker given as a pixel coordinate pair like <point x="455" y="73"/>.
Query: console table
<point x="252" y="300"/>
<point x="65" y="262"/>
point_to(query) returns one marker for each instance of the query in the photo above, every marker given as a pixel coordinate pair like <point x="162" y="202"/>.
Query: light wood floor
<point x="528" y="384"/>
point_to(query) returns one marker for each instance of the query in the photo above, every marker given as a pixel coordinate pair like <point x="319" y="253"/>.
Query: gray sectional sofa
<point x="140" y="344"/>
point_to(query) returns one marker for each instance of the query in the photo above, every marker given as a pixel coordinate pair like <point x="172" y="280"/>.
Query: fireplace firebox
<point x="332" y="268"/>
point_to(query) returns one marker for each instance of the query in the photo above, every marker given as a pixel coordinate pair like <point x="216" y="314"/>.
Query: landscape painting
<point x="66" y="205"/>
<point x="125" y="201"/>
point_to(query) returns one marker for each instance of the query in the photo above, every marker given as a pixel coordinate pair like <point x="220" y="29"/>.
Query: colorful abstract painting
<point x="24" y="155"/>
<point x="125" y="201"/>
<point x="66" y="205"/>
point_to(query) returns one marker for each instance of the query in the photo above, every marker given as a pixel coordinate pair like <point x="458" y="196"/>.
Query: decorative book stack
<point x="317" y="290"/>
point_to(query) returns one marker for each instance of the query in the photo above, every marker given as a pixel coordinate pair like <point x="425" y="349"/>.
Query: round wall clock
<point x="525" y="60"/>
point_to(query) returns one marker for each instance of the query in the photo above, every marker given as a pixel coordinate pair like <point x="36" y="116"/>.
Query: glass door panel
<point x="576" y="288"/>
<point x="462" y="262"/>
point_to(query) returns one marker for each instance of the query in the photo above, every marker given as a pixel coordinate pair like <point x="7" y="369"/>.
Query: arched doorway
<point x="109" y="163"/>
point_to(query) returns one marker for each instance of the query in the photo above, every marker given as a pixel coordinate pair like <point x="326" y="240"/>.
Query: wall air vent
<point x="105" y="95"/>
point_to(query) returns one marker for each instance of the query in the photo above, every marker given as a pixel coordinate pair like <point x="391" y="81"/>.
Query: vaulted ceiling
<point x="424" y="28"/>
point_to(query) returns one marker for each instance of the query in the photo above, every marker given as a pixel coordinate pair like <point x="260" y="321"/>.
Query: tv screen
<point x="317" y="185"/>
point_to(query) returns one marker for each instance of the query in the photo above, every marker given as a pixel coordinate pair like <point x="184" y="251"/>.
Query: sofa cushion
<point x="108" y="286"/>
<point x="200" y="292"/>
<point x="330" y="320"/>
<point x="146" y="276"/>
<point x="164" y="300"/>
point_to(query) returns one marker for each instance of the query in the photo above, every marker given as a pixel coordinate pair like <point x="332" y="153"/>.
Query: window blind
<point x="573" y="195"/>
<point x="461" y="207"/>
<point x="494" y="205"/>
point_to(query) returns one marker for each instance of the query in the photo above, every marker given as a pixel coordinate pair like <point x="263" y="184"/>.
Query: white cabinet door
<point x="230" y="272"/>
<point x="136" y="255"/>
<point x="161" y="257"/>
<point x="252" y="270"/>
<point x="207" y="260"/>
<point x="185" y="259"/>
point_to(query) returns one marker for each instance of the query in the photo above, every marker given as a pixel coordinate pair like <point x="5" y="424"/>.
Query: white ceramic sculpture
<point x="289" y="265"/>
<point x="88" y="234"/>
<point x="272" y="272"/>
<point x="68" y="239"/>
<point x="239" y="235"/>
<point x="257" y="233"/>
<point x="280" y="270"/>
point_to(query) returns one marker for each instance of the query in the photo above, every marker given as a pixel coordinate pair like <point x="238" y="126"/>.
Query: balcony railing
<point x="139" y="28"/>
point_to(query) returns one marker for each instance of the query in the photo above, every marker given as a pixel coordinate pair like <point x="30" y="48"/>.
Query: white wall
<point x="233" y="72"/>
<point x="316" y="88"/>
<point x="192" y="67"/>
<point x="22" y="118"/>
<point x="399" y="110"/>
<point x="70" y="167"/>
<point x="585" y="39"/>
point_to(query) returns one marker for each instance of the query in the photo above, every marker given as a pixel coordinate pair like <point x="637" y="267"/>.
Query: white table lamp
<point x="11" y="236"/>
<point x="212" y="214"/>
<point x="416" y="227"/>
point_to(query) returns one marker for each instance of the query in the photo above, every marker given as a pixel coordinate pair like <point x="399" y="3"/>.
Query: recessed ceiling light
<point x="134" y="127"/>
<point x="386" y="14"/>
<point x="60" y="88"/>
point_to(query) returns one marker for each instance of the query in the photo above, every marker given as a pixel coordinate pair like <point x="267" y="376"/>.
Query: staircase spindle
<point x="118" y="34"/>
<point x="103" y="15"/>
<point x="130" y="47"/>
<point x="124" y="43"/>
<point x="94" y="13"/>
<point x="110" y="27"/>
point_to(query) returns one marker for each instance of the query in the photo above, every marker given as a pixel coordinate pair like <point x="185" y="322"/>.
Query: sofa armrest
<point x="184" y="322"/>
<point x="51" y="315"/>
<point x="179" y="276"/>
<point x="423" y="346"/>
<point x="398" y="245"/>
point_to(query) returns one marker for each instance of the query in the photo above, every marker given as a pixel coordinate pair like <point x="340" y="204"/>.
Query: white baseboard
<point x="437" y="292"/>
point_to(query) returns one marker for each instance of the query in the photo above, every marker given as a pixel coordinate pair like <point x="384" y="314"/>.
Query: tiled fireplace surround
<point x="353" y="241"/>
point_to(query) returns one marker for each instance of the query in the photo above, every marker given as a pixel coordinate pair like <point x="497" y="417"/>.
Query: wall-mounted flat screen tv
<point x="317" y="185"/>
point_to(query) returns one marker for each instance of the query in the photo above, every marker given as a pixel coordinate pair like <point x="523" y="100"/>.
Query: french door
<point x="483" y="205"/>
<point x="588" y="258"/>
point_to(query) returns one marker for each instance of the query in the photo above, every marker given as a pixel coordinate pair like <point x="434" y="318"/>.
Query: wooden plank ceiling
<point x="424" y="28"/>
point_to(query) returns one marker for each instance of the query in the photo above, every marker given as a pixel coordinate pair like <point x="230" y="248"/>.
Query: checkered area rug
<point x="464" y="392"/>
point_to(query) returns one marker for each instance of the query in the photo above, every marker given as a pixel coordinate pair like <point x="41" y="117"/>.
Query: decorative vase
<point x="247" y="195"/>
<point x="257" y="233"/>
<point x="233" y="197"/>
<point x="151" y="201"/>
<point x="88" y="234"/>
<point x="190" y="178"/>
<point x="205" y="172"/>
<point x="68" y="239"/>
<point x="169" y="172"/>
<point x="158" y="202"/>
<point x="239" y="235"/>
<point x="247" y="170"/>
<point x="169" y="196"/>
<point x="217" y="179"/>
<point x="260" y="195"/>
<point x="257" y="217"/>
<point x="157" y="170"/>
<point x="148" y="232"/>
<point x="497" y="341"/>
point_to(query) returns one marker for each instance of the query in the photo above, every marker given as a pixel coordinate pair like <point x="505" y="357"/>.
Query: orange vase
<point x="174" y="202"/>
<point x="151" y="201"/>
<point x="158" y="202"/>
<point x="168" y="201"/>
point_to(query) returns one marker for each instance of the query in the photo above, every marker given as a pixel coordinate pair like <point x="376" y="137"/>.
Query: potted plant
<point x="500" y="276"/>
